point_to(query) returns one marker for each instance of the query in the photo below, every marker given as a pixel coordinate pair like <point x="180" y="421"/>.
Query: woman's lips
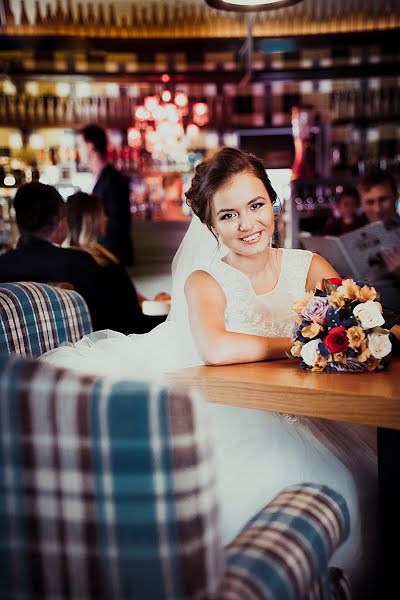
<point x="251" y="239"/>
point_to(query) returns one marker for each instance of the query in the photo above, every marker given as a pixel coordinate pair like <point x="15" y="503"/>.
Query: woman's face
<point x="242" y="215"/>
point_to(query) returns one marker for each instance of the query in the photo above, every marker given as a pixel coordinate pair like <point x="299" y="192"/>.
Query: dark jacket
<point x="113" y="188"/>
<point x="336" y="226"/>
<point x="109" y="292"/>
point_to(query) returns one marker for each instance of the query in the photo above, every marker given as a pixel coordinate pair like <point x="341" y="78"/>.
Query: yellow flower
<point x="349" y="289"/>
<point x="367" y="293"/>
<point x="300" y="305"/>
<point x="319" y="364"/>
<point x="340" y="357"/>
<point x="335" y="299"/>
<point x="312" y="330"/>
<point x="365" y="352"/>
<point x="296" y="348"/>
<point x="372" y="363"/>
<point x="355" y="336"/>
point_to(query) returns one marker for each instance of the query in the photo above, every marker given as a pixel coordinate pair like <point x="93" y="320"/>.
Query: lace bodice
<point x="270" y="314"/>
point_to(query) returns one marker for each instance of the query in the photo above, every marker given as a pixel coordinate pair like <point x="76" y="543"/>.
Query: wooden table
<point x="368" y="399"/>
<point x="280" y="386"/>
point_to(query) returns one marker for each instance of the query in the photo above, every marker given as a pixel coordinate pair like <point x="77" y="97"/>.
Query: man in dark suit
<point x="112" y="187"/>
<point x="42" y="221"/>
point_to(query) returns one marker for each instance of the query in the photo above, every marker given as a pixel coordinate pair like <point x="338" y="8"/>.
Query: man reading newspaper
<point x="373" y="251"/>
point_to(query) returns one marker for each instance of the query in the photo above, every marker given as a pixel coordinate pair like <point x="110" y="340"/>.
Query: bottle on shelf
<point x="8" y="14"/>
<point x="69" y="15"/>
<point x="23" y="18"/>
<point x="38" y="18"/>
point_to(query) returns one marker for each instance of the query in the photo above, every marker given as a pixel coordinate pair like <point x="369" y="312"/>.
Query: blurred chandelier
<point x="250" y="5"/>
<point x="165" y="125"/>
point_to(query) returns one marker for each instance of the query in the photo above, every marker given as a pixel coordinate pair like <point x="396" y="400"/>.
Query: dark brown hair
<point x="215" y="172"/>
<point x="377" y="177"/>
<point x="97" y="136"/>
<point x="38" y="209"/>
<point x="349" y="191"/>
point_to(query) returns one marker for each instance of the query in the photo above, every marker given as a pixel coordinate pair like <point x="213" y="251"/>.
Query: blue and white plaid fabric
<point x="293" y="536"/>
<point x="108" y="491"/>
<point x="36" y="317"/>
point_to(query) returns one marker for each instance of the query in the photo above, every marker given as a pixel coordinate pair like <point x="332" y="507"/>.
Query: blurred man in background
<point x="378" y="197"/>
<point x="347" y="206"/>
<point x="112" y="187"/>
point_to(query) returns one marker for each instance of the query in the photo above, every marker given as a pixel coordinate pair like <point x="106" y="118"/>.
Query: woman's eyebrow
<point x="233" y="209"/>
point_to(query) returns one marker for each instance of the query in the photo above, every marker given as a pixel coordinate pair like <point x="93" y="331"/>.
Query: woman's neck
<point x="251" y="265"/>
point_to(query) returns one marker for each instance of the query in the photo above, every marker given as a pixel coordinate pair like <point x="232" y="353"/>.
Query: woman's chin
<point x="250" y="249"/>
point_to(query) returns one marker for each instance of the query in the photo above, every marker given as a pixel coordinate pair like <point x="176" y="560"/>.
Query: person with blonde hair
<point x="87" y="222"/>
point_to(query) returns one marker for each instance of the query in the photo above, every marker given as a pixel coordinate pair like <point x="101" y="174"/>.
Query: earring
<point x="270" y="243"/>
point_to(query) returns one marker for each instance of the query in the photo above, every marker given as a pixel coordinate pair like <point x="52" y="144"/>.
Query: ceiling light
<point x="250" y="5"/>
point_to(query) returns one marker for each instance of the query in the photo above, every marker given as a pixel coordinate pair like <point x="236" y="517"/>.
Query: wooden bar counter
<point x="281" y="386"/>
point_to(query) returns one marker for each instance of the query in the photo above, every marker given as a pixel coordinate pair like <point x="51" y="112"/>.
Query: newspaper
<point x="356" y="254"/>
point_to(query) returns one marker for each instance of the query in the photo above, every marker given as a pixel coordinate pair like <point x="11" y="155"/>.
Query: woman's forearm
<point x="230" y="348"/>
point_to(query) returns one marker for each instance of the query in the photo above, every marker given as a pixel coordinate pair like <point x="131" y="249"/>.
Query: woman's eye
<point x="227" y="216"/>
<point x="256" y="205"/>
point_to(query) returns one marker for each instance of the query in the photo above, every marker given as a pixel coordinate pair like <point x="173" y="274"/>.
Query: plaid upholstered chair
<point x="107" y="491"/>
<point x="36" y="317"/>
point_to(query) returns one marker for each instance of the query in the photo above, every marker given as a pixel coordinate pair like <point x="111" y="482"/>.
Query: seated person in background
<point x="41" y="217"/>
<point x="378" y="196"/>
<point x="42" y="222"/>
<point x="87" y="222"/>
<point x="349" y="219"/>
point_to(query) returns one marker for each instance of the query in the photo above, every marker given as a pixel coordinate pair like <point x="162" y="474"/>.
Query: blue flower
<point x="363" y="283"/>
<point x="333" y="319"/>
<point x="323" y="350"/>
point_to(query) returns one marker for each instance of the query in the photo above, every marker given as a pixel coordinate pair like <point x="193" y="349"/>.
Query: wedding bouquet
<point x="340" y="327"/>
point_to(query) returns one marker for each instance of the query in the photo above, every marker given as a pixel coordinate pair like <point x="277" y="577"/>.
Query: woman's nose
<point x="244" y="224"/>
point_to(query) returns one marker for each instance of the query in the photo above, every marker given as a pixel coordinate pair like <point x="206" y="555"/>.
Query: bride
<point x="231" y="303"/>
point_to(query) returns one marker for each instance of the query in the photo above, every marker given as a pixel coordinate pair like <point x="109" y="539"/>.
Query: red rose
<point x="336" y="340"/>
<point x="334" y="281"/>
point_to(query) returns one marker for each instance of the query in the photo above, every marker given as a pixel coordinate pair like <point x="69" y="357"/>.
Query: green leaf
<point x="378" y="329"/>
<point x="329" y="286"/>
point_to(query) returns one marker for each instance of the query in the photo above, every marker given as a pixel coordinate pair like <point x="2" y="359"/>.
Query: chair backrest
<point x="107" y="489"/>
<point x="36" y="317"/>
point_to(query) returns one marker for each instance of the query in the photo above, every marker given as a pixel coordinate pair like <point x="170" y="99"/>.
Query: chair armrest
<point x="285" y="549"/>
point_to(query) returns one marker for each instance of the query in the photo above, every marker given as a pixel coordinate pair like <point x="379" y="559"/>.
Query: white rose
<point x="368" y="314"/>
<point x="379" y="344"/>
<point x="309" y="352"/>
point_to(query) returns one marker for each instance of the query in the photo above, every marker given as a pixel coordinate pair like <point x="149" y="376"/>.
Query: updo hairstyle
<point x="215" y="172"/>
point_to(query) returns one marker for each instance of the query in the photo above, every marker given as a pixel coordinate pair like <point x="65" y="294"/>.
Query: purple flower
<point x="316" y="308"/>
<point x="351" y="366"/>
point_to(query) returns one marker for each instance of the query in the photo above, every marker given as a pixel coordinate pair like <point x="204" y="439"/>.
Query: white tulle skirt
<point x="258" y="453"/>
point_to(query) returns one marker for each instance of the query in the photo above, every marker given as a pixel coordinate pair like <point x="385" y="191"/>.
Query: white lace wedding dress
<point x="257" y="452"/>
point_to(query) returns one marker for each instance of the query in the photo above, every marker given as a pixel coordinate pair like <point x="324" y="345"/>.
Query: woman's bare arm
<point x="319" y="269"/>
<point x="206" y="303"/>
